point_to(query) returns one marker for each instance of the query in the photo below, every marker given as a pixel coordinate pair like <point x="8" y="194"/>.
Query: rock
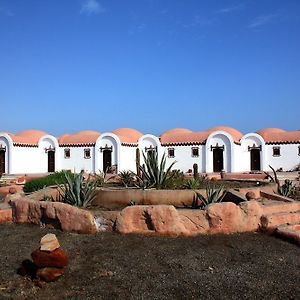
<point x="160" y="219"/>
<point x="4" y="190"/>
<point x="194" y="220"/>
<point x="12" y="190"/>
<point x="49" y="242"/>
<point x="224" y="217"/>
<point x="64" y="216"/>
<point x="250" y="196"/>
<point x="21" y="180"/>
<point x="56" y="258"/>
<point x="28" y="268"/>
<point x="45" y="193"/>
<point x="49" y="274"/>
<point x="5" y="215"/>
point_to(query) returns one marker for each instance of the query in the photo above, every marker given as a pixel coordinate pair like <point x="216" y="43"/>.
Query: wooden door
<point x="2" y="161"/>
<point x="218" y="159"/>
<point x="106" y="161"/>
<point x="255" y="159"/>
<point x="51" y="161"/>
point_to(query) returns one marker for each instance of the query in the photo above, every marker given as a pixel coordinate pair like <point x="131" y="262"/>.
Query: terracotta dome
<point x="181" y="136"/>
<point x="80" y="138"/>
<point x="277" y="135"/>
<point x="127" y="135"/>
<point x="236" y="135"/>
<point x="28" y="137"/>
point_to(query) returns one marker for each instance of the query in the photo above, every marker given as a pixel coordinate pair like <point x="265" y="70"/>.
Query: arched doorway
<point x="255" y="159"/>
<point x="107" y="160"/>
<point x="51" y="161"/>
<point x="218" y="158"/>
<point x="2" y="162"/>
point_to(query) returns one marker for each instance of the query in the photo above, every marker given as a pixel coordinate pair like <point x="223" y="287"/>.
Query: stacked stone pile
<point x="49" y="261"/>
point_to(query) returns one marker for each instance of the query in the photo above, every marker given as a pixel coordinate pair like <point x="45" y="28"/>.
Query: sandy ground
<point x="113" y="266"/>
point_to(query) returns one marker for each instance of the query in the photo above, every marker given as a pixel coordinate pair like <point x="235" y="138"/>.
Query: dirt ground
<point x="113" y="266"/>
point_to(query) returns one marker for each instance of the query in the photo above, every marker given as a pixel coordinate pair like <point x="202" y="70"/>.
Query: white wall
<point x="184" y="159"/>
<point x="127" y="159"/>
<point x="77" y="162"/>
<point x="287" y="160"/>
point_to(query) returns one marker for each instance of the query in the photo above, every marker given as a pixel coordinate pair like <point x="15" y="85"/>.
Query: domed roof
<point x="182" y="136"/>
<point x="127" y="135"/>
<point x="27" y="137"/>
<point x="236" y="135"/>
<point x="277" y="135"/>
<point x="79" y="138"/>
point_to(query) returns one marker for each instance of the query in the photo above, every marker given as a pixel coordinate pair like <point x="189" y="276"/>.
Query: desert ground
<point x="114" y="266"/>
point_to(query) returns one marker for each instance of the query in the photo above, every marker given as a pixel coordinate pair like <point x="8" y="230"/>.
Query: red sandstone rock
<point x="5" y="215"/>
<point x="166" y="220"/>
<point x="68" y="217"/>
<point x="57" y="258"/>
<point x="21" y="180"/>
<point x="49" y="274"/>
<point x="250" y="195"/>
<point x="12" y="190"/>
<point x="4" y="190"/>
<point x="161" y="219"/>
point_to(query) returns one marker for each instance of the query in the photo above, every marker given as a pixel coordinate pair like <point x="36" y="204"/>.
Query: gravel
<point x="113" y="266"/>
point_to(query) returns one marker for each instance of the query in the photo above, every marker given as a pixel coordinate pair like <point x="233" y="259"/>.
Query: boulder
<point x="49" y="274"/>
<point x="194" y="220"/>
<point x="250" y="195"/>
<point x="60" y="215"/>
<point x="224" y="217"/>
<point x="160" y="219"/>
<point x="49" y="242"/>
<point x="57" y="258"/>
<point x="5" y="215"/>
<point x="5" y="190"/>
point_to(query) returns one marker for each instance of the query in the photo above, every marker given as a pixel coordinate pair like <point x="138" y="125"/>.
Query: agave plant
<point x="127" y="177"/>
<point x="77" y="191"/>
<point x="196" y="183"/>
<point x="213" y="195"/>
<point x="154" y="173"/>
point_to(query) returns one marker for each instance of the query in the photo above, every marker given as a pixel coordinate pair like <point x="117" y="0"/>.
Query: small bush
<point x="40" y="183"/>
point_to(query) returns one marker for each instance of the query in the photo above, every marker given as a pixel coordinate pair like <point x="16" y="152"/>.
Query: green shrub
<point x="40" y="183"/>
<point x="175" y="180"/>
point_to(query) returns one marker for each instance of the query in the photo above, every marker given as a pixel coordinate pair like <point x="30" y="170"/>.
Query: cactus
<point x="195" y="171"/>
<point x="137" y="162"/>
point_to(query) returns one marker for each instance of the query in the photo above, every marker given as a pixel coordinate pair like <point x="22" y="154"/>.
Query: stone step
<point x="272" y="221"/>
<point x="273" y="206"/>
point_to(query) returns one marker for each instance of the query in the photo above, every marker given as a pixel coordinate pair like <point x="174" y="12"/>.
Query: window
<point x="87" y="153"/>
<point x="67" y="153"/>
<point x="171" y="152"/>
<point x="298" y="150"/>
<point x="195" y="151"/>
<point x="276" y="151"/>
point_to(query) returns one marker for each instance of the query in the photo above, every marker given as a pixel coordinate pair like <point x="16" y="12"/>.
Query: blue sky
<point x="153" y="65"/>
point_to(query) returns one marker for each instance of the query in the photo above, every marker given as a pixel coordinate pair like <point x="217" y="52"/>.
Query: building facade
<point x="213" y="150"/>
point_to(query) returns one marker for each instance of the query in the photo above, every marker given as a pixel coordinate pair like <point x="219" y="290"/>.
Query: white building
<point x="213" y="150"/>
